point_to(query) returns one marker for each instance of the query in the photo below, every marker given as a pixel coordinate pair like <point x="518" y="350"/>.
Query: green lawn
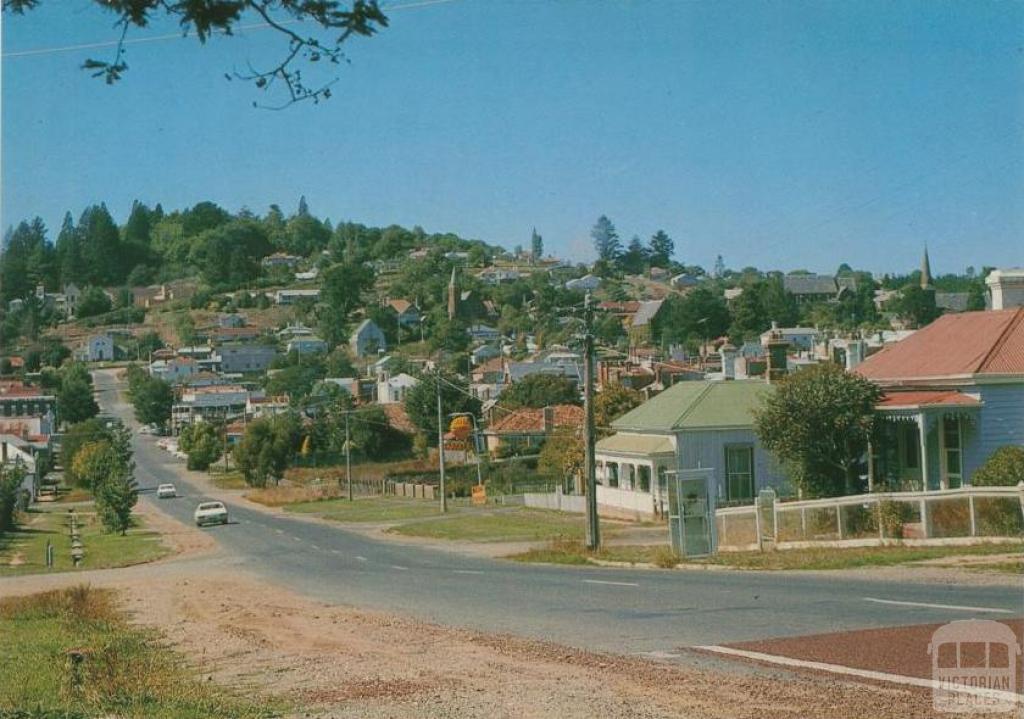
<point x="513" y="524"/>
<point x="23" y="551"/>
<point x="124" y="671"/>
<point x="368" y="509"/>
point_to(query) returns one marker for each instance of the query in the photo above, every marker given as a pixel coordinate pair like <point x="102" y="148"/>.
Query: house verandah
<point x="639" y="463"/>
<point x="926" y="440"/>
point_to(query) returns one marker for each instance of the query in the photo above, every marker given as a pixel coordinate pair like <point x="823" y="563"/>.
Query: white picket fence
<point x="951" y="516"/>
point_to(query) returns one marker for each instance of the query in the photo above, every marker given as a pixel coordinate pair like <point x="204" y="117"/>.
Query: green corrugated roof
<point x="697" y="405"/>
<point x="627" y="443"/>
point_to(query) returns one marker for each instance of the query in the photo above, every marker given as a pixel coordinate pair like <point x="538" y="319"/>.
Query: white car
<point x="166" y="491"/>
<point x="211" y="513"/>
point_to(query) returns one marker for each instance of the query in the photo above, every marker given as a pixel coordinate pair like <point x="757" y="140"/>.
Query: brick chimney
<point x="778" y="348"/>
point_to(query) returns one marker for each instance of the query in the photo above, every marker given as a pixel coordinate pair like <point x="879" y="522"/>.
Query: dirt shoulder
<point x="259" y="638"/>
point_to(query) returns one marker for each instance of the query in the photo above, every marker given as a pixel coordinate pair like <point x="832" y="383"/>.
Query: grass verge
<point x="23" y="551"/>
<point x="367" y="509"/>
<point x="77" y="657"/>
<point x="231" y="479"/>
<point x="569" y="552"/>
<point x="512" y="524"/>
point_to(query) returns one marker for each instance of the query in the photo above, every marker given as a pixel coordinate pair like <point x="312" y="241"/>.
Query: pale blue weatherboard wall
<point x="1001" y="422"/>
<point x="706" y="449"/>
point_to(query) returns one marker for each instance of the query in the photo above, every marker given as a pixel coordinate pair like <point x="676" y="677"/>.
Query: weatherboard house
<point x="954" y="394"/>
<point x="692" y="425"/>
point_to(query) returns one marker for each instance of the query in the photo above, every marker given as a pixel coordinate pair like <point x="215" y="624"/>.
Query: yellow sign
<point x="479" y="494"/>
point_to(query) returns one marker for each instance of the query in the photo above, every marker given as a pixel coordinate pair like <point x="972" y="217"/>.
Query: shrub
<point x="1004" y="468"/>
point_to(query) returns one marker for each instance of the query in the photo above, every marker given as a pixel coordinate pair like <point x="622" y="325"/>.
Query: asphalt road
<point x="628" y="611"/>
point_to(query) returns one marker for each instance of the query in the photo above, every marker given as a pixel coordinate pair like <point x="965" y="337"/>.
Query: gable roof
<point x="810" y="284"/>
<point x="531" y="420"/>
<point x="646" y="312"/>
<point x="958" y="345"/>
<point x="929" y="398"/>
<point x="696" y="406"/>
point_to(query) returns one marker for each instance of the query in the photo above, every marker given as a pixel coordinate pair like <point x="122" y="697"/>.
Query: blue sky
<point x="779" y="134"/>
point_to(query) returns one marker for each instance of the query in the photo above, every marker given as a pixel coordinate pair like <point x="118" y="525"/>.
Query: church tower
<point x="453" y="296"/>
<point x="926" y="271"/>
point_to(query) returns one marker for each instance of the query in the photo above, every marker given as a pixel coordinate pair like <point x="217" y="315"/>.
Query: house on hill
<point x="408" y="313"/>
<point x="367" y="339"/>
<point x="527" y="428"/>
<point x="817" y="288"/>
<point x="954" y="394"/>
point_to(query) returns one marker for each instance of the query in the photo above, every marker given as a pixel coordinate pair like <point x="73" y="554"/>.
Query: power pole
<point x="593" y="534"/>
<point x="440" y="442"/>
<point x="348" y="458"/>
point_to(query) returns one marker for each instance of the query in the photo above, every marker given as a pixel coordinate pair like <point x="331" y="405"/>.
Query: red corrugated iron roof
<point x="929" y="398"/>
<point x="531" y="420"/>
<point x="969" y="343"/>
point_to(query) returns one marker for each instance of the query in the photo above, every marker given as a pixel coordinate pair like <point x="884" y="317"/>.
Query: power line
<point x="185" y="35"/>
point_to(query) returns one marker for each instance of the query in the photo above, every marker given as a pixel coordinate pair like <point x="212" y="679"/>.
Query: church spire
<point x="926" y="271"/>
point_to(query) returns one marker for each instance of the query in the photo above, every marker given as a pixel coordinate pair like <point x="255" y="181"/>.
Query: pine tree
<point x="662" y="248"/>
<point x="303" y="207"/>
<point x="606" y="239"/>
<point x="536" y="245"/>
<point x="115" y="499"/>
<point x="719" y="267"/>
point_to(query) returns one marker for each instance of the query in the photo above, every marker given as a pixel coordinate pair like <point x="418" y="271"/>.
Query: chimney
<point x="778" y="347"/>
<point x="728" y="354"/>
<point x="1006" y="288"/>
<point x="549" y="419"/>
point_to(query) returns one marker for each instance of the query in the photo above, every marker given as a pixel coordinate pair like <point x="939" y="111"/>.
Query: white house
<point x="800" y="338"/>
<point x="585" y="283"/>
<point x="393" y="389"/>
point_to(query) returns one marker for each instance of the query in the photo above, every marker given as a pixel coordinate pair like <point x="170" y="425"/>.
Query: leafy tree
<point x="335" y="22"/>
<point x="635" y="257"/>
<point x="1003" y="468"/>
<point x="540" y="390"/>
<point x="267" y="448"/>
<point x="115" y="498"/>
<point x="606" y="240"/>
<point x="421" y="403"/>
<point x="11" y="477"/>
<point x="229" y="255"/>
<point x="562" y="456"/>
<point x="26" y="260"/>
<point x="202" y="443"/>
<point x="75" y="401"/>
<point x="614" y="401"/>
<point x="77" y="437"/>
<point x="342" y="294"/>
<point x="185" y="327"/>
<point x="94" y="301"/>
<point x="917" y="306"/>
<point x="152" y="399"/>
<point x="976" y="297"/>
<point x="94" y="463"/>
<point x="818" y="423"/>
<point x="699" y="315"/>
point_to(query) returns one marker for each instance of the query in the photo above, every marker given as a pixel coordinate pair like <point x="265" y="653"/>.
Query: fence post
<point x="881" y="529"/>
<point x="974" y="521"/>
<point x="1020" y="488"/>
<point x="839" y="520"/>
<point x="803" y="523"/>
<point x="924" y="518"/>
<point x="775" y="522"/>
<point x="757" y="523"/>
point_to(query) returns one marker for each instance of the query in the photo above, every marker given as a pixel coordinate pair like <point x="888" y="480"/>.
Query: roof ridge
<point x="1003" y="338"/>
<point x="693" y="405"/>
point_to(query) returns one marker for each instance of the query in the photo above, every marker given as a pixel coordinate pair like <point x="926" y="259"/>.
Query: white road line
<point x="657" y="654"/>
<point x="296" y="539"/>
<point x="614" y="584"/>
<point x="401" y="569"/>
<point x="467" y="571"/>
<point x="335" y="551"/>
<point x="862" y="673"/>
<point x="315" y="547"/>
<point x="361" y="559"/>
<point x="957" y="607"/>
<point x="279" y="531"/>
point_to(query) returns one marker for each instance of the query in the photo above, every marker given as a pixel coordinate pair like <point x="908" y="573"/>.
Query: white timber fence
<point x="949" y="516"/>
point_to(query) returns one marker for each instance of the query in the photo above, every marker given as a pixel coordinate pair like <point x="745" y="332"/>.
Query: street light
<point x="476" y="445"/>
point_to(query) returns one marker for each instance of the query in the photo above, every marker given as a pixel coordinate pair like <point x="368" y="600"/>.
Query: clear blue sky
<point x="779" y="134"/>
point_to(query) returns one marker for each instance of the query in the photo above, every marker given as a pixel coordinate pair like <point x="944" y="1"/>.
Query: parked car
<point x="165" y="491"/>
<point x="211" y="513"/>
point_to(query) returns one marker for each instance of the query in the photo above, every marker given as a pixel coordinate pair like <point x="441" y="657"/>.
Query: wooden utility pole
<point x="348" y="458"/>
<point x="593" y="535"/>
<point x="440" y="442"/>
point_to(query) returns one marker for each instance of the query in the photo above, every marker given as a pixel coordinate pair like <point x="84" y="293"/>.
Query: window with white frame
<point x="739" y="472"/>
<point x="952" y="445"/>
